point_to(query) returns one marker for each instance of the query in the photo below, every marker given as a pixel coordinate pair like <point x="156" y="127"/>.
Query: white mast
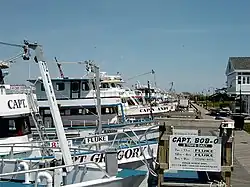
<point x="96" y="70"/>
<point x="52" y="103"/>
<point x="50" y="95"/>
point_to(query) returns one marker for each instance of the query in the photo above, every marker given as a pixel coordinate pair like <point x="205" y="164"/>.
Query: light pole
<point x="205" y="95"/>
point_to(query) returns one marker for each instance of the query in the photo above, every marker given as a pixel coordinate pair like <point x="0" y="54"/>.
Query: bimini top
<point x="13" y="104"/>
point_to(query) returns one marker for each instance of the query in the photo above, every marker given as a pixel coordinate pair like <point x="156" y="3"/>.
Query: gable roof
<point x="240" y="63"/>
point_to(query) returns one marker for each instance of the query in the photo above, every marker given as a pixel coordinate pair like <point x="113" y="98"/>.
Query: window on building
<point x="239" y="79"/>
<point x="60" y="86"/>
<point x="243" y="80"/>
<point x="248" y="80"/>
<point x="85" y="86"/>
<point x="42" y="87"/>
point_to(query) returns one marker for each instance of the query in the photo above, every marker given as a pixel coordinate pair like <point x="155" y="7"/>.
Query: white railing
<point x="41" y="172"/>
<point x="133" y="139"/>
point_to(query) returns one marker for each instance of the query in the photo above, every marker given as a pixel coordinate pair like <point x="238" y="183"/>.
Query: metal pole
<point x="98" y="98"/>
<point x="206" y="99"/>
<point x="149" y="97"/>
<point x="53" y="105"/>
<point x="240" y="100"/>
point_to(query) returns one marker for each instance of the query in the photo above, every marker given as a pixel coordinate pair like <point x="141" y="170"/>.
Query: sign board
<point x="185" y="132"/>
<point x="14" y="104"/>
<point x="96" y="139"/>
<point x="195" y="153"/>
<point x="55" y="144"/>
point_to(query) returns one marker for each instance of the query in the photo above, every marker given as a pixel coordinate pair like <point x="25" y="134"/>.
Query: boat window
<point x="104" y="85"/>
<point x="123" y="100"/>
<point x="93" y="85"/>
<point x="42" y="87"/>
<point x="14" y="127"/>
<point x="130" y="102"/>
<point x="60" y="86"/>
<point x="85" y="86"/>
<point x="74" y="111"/>
<point x="75" y="86"/>
<point x="118" y="85"/>
<point x="113" y="85"/>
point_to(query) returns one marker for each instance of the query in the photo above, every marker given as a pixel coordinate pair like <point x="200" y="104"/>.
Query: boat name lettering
<point x="146" y="110"/>
<point x="17" y="103"/>
<point x="95" y="139"/>
<point x="127" y="154"/>
<point x="162" y="108"/>
<point x="109" y="130"/>
<point x="80" y="158"/>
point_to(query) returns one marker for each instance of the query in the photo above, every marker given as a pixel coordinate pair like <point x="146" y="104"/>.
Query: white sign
<point x="195" y="153"/>
<point x="185" y="132"/>
<point x="123" y="155"/>
<point x="14" y="104"/>
<point x="96" y="139"/>
<point x="55" y="144"/>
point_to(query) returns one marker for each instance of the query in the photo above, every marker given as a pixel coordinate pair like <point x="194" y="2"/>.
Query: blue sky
<point x="184" y="41"/>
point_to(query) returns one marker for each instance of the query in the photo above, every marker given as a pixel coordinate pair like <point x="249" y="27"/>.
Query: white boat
<point x="66" y="173"/>
<point x="77" y="100"/>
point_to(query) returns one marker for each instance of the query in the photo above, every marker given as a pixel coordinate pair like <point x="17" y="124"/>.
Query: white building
<point x="238" y="80"/>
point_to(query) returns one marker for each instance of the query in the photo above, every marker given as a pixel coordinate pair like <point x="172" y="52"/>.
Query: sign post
<point x="195" y="153"/>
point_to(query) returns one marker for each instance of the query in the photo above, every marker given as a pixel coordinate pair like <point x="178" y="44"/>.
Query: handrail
<point x="57" y="167"/>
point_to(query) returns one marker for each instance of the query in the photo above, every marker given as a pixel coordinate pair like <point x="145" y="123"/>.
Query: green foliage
<point x="247" y="127"/>
<point x="219" y="104"/>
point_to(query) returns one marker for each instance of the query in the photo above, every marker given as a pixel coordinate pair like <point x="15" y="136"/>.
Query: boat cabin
<point x="76" y="98"/>
<point x="14" y="118"/>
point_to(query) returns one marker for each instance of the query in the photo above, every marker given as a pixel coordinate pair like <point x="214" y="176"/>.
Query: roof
<point x="62" y="79"/>
<point x="240" y="63"/>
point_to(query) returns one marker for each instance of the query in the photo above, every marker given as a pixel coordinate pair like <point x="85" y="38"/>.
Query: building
<point x="238" y="81"/>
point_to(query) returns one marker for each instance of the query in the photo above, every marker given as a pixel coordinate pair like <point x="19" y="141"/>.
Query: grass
<point x="217" y="104"/>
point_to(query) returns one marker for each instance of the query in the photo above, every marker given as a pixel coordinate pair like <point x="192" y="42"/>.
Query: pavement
<point x="241" y="172"/>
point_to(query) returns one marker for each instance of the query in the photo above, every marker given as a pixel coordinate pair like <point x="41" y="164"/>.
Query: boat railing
<point x="44" y="172"/>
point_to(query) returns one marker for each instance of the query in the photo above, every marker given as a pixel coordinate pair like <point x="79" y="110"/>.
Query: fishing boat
<point x="66" y="173"/>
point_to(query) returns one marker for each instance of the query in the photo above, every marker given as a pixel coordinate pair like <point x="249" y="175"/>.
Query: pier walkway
<point x="241" y="173"/>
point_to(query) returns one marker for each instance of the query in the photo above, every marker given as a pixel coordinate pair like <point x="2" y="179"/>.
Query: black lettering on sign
<point x="206" y="140"/>
<point x="95" y="139"/>
<point x="17" y="103"/>
<point x="181" y="140"/>
<point x="127" y="154"/>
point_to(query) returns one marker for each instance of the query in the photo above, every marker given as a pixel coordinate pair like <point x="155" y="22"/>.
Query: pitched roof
<point x="240" y="63"/>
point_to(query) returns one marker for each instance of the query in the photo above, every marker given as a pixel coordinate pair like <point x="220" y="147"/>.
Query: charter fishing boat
<point x="77" y="100"/>
<point x="67" y="172"/>
<point x="68" y="175"/>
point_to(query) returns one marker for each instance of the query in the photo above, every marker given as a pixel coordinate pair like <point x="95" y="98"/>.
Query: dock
<point x="241" y="160"/>
<point x="241" y="172"/>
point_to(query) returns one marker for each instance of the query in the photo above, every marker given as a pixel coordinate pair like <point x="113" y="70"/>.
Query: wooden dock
<point x="241" y="160"/>
<point x="241" y="173"/>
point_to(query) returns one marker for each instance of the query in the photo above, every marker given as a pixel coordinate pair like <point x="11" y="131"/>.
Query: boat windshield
<point x="11" y="127"/>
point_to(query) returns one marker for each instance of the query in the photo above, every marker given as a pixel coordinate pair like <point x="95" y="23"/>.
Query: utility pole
<point x="149" y="97"/>
<point x="96" y="70"/>
<point x="240" y="100"/>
